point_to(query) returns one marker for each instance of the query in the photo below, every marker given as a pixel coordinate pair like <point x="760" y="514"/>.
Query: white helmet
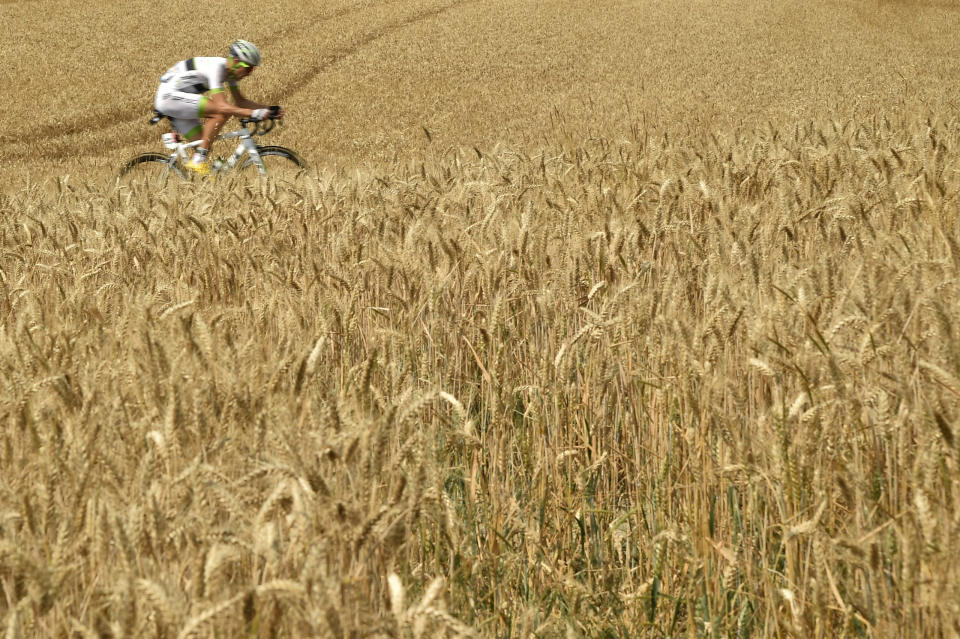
<point x="245" y="52"/>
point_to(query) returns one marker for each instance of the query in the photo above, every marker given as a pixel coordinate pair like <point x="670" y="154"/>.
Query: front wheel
<point x="155" y="169"/>
<point x="279" y="163"/>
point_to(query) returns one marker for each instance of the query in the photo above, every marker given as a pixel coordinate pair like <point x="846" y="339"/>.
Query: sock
<point x="200" y="155"/>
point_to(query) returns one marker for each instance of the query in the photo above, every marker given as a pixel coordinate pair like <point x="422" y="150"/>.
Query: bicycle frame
<point x="181" y="151"/>
<point x="247" y="146"/>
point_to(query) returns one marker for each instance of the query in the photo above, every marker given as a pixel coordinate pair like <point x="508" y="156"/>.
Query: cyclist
<point x="191" y="94"/>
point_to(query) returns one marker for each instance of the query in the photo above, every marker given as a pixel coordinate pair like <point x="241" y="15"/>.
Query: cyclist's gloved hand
<point x="260" y="114"/>
<point x="276" y="111"/>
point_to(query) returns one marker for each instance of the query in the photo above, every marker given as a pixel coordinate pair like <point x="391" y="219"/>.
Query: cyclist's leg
<point x="189" y="128"/>
<point x="179" y="106"/>
<point x="185" y="111"/>
<point x="211" y="128"/>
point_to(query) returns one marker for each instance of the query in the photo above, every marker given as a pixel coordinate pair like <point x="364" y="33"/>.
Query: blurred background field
<point x="363" y="79"/>
<point x="589" y="319"/>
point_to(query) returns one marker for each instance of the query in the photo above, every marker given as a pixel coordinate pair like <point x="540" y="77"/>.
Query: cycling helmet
<point x="245" y="52"/>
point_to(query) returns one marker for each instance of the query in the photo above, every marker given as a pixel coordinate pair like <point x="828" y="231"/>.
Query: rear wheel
<point x="153" y="169"/>
<point x="280" y="163"/>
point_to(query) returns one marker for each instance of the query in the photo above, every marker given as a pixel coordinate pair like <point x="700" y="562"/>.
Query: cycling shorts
<point x="183" y="109"/>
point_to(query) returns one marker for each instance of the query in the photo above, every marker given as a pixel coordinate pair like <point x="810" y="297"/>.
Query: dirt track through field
<point x="295" y="30"/>
<point x="306" y="77"/>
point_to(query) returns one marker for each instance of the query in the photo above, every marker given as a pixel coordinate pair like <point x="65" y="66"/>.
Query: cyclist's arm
<point x="241" y="100"/>
<point x="216" y="104"/>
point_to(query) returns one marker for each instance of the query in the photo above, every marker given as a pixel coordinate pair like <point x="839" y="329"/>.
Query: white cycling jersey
<point x="182" y="88"/>
<point x="198" y="75"/>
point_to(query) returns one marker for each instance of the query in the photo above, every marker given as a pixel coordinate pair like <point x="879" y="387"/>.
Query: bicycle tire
<point x="279" y="152"/>
<point x="145" y="158"/>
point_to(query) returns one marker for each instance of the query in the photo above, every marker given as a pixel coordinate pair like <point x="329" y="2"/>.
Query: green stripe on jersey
<point x="215" y="91"/>
<point x="194" y="131"/>
<point x="202" y="106"/>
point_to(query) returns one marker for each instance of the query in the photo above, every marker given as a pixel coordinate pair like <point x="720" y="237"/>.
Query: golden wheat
<point x="640" y="344"/>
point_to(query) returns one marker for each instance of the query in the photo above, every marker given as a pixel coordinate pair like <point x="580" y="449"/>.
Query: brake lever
<point x="260" y="127"/>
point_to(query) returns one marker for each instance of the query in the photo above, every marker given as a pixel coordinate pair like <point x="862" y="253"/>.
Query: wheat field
<point x="588" y="319"/>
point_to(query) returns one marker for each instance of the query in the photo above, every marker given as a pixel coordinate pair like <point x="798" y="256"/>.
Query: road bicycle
<point x="274" y="162"/>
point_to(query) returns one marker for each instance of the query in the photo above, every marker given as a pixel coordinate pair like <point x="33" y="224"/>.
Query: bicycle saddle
<point x="157" y="116"/>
